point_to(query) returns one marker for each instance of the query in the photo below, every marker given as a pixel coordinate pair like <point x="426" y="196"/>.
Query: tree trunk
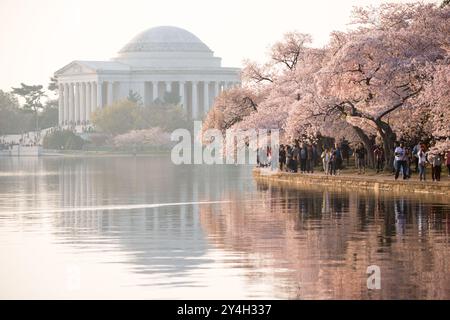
<point x="36" y="117"/>
<point x="367" y="143"/>
<point x="389" y="138"/>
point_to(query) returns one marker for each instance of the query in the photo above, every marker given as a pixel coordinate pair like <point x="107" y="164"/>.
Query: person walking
<point x="436" y="162"/>
<point x="326" y="160"/>
<point x="400" y="161"/>
<point x="360" y="154"/>
<point x="422" y="162"/>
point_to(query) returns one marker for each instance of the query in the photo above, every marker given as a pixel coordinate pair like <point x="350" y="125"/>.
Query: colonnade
<point x="79" y="99"/>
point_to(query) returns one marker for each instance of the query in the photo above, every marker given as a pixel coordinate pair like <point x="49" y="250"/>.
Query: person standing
<point x="408" y="162"/>
<point x="296" y="156"/>
<point x="269" y="156"/>
<point x="326" y="160"/>
<point x="379" y="156"/>
<point x="338" y="161"/>
<point x="289" y="159"/>
<point x="332" y="162"/>
<point x="415" y="151"/>
<point x="436" y="162"/>
<point x="422" y="162"/>
<point x="310" y="160"/>
<point x="303" y="158"/>
<point x="345" y="150"/>
<point x="315" y="156"/>
<point x="360" y="154"/>
<point x="394" y="164"/>
<point x="282" y="158"/>
<point x="400" y="161"/>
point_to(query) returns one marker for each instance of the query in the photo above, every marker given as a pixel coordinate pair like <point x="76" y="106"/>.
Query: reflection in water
<point x="141" y="227"/>
<point x="318" y="244"/>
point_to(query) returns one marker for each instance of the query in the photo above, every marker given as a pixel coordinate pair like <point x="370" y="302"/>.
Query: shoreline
<point x="86" y="153"/>
<point x="380" y="183"/>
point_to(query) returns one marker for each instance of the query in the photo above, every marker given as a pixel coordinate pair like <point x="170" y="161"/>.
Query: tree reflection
<point x="317" y="243"/>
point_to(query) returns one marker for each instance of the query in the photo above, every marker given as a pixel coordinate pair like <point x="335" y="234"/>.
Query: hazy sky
<point x="38" y="37"/>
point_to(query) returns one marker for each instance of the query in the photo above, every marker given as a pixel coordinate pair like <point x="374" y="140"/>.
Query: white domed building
<point x="158" y="60"/>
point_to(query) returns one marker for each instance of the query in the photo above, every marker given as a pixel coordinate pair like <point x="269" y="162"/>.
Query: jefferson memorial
<point x="156" y="61"/>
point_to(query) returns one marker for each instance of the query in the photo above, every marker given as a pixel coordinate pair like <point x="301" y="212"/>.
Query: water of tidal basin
<point x="140" y="227"/>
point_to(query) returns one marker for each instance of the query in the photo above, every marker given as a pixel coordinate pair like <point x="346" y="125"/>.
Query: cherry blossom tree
<point x="231" y="107"/>
<point x="378" y="68"/>
<point x="387" y="76"/>
<point x="147" y="137"/>
<point x="437" y="97"/>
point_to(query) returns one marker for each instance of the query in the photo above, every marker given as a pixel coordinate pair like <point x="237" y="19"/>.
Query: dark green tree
<point x="63" y="140"/>
<point x="32" y="95"/>
<point x="171" y="98"/>
<point x="134" y="97"/>
<point x="49" y="116"/>
<point x="8" y="112"/>
<point x="53" y="85"/>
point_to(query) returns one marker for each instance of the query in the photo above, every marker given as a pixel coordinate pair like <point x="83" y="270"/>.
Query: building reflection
<point x="314" y="243"/>
<point x="165" y="240"/>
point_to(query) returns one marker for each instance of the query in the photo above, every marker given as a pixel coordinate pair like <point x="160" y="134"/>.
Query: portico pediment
<point x="75" y="68"/>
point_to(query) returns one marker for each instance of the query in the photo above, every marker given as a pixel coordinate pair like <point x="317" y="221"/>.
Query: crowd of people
<point x="305" y="157"/>
<point x="86" y="127"/>
<point x="26" y="139"/>
<point x="421" y="158"/>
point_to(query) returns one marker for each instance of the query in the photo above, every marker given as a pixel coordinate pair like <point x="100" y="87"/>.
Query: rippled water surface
<point x="140" y="227"/>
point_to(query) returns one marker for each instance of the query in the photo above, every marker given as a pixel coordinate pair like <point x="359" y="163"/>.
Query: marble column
<point x="82" y="102"/>
<point x="93" y="96"/>
<point x="110" y="93"/>
<point x="154" y="90"/>
<point x="99" y="94"/>
<point x="87" y="115"/>
<point x="77" y="103"/>
<point x="216" y="89"/>
<point x="66" y="103"/>
<point x="206" y="104"/>
<point x="182" y="95"/>
<point x="168" y="86"/>
<point x="194" y="100"/>
<point x="71" y="102"/>
<point x="61" y="104"/>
